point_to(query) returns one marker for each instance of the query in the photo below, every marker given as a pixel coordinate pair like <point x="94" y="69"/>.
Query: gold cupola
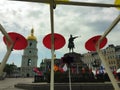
<point x="32" y="37"/>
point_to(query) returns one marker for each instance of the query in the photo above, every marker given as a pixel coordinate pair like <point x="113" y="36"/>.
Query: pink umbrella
<point x="20" y="41"/>
<point x="90" y="44"/>
<point x="59" y="41"/>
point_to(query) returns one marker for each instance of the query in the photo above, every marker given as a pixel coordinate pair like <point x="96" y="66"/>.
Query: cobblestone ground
<point x="8" y="83"/>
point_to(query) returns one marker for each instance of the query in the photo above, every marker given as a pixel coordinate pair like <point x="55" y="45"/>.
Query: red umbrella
<point x="90" y="44"/>
<point x="19" y="41"/>
<point x="59" y="41"/>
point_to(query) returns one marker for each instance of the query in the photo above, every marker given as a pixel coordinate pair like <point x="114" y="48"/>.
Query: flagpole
<point x="70" y="79"/>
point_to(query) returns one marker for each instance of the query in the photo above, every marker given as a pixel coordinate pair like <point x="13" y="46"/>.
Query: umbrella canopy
<point x="59" y="41"/>
<point x="90" y="44"/>
<point x="19" y="41"/>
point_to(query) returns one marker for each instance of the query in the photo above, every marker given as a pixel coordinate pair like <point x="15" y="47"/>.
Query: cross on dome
<point x="32" y="37"/>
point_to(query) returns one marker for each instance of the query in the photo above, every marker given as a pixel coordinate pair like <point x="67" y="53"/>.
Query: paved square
<point x="8" y="83"/>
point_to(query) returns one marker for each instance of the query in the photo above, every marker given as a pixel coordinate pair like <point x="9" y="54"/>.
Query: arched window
<point x="29" y="62"/>
<point x="30" y="44"/>
<point x="29" y="51"/>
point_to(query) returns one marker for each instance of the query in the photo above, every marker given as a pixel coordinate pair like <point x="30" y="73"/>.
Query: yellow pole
<point x="75" y="3"/>
<point x="3" y="63"/>
<point x="106" y="65"/>
<point x="117" y="2"/>
<point x="9" y="49"/>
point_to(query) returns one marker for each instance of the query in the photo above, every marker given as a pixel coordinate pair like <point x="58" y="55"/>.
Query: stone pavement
<point x="8" y="83"/>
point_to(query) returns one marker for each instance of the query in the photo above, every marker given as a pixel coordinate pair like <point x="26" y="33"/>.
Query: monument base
<point x="65" y="86"/>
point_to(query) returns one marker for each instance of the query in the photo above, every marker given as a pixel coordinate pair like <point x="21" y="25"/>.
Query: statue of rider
<point x="71" y="45"/>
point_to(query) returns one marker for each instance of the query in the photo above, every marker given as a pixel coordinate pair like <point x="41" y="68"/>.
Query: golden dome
<point x="32" y="37"/>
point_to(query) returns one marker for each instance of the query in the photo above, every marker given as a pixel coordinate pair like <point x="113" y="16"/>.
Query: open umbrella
<point x="19" y="41"/>
<point x="75" y="3"/>
<point x="13" y="41"/>
<point x="59" y="41"/>
<point x="102" y="57"/>
<point x="90" y="44"/>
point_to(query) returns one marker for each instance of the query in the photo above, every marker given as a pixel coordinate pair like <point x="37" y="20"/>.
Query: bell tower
<point x="30" y="56"/>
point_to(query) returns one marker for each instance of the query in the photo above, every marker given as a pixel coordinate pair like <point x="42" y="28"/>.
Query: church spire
<point x="32" y="37"/>
<point x="32" y="32"/>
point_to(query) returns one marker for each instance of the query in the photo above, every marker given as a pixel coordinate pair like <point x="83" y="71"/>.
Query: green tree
<point x="9" y="69"/>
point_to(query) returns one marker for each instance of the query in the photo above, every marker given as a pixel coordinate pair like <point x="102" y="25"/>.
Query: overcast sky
<point x="81" y="21"/>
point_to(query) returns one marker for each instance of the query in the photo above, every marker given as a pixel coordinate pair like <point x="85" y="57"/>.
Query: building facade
<point x="111" y="54"/>
<point x="90" y="59"/>
<point x="30" y="56"/>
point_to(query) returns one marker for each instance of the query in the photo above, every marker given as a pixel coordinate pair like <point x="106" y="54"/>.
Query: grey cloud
<point x="84" y="21"/>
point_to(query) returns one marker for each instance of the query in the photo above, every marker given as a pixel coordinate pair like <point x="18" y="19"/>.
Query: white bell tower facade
<point x="30" y="56"/>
